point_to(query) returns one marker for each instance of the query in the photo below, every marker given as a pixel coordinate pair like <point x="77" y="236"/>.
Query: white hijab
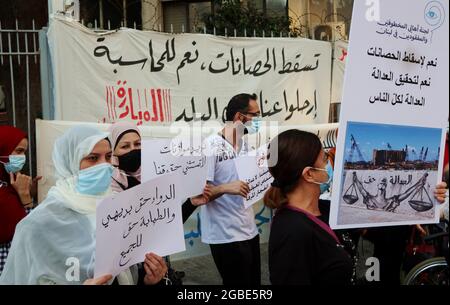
<point x="68" y="152"/>
<point x="55" y="243"/>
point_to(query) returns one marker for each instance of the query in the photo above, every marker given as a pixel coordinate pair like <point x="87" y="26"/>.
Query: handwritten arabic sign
<point x="178" y="156"/>
<point x="132" y="223"/>
<point x="48" y="131"/>
<point x="393" y="115"/>
<point x="154" y="78"/>
<point x="252" y="168"/>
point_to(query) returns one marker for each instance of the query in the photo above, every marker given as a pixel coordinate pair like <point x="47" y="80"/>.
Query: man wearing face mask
<point x="226" y="225"/>
<point x="16" y="191"/>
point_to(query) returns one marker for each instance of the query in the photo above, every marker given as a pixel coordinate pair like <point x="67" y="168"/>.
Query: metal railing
<point x="19" y="49"/>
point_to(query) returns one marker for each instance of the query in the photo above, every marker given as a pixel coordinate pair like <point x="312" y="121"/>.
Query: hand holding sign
<point x="144" y="218"/>
<point x="203" y="198"/>
<point x="237" y="187"/>
<point x="254" y="171"/>
<point x="155" y="269"/>
<point x="102" y="280"/>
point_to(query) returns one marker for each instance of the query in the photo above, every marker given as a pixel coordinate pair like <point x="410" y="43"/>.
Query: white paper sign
<point x="252" y="168"/>
<point x="48" y="131"/>
<point x="146" y="218"/>
<point x="394" y="114"/>
<point x="178" y="156"/>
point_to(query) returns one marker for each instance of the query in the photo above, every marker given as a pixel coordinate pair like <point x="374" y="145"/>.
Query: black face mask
<point x="131" y="161"/>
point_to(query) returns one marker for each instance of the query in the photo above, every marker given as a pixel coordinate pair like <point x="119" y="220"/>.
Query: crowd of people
<point x="36" y="239"/>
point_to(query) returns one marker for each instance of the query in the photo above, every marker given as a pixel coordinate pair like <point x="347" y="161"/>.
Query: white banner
<point x="394" y="114"/>
<point x="339" y="60"/>
<point x="154" y="78"/>
<point x="146" y="218"/>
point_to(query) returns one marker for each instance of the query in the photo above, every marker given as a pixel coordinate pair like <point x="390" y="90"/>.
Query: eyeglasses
<point x="254" y="114"/>
<point x="326" y="156"/>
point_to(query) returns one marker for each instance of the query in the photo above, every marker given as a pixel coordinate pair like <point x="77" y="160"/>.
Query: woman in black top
<point x="302" y="247"/>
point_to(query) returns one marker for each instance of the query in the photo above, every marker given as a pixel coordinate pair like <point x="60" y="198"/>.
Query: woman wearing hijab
<point x="125" y="141"/>
<point x="15" y="188"/>
<point x="55" y="244"/>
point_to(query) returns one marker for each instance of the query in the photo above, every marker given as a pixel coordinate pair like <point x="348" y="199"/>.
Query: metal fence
<point x="299" y="29"/>
<point x="19" y="56"/>
<point x="26" y="76"/>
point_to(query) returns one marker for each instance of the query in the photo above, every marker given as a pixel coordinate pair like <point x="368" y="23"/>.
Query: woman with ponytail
<point x="302" y="247"/>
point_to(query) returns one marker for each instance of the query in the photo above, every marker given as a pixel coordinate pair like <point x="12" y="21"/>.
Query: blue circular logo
<point x="434" y="14"/>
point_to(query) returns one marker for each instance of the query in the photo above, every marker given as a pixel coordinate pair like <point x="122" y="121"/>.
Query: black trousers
<point x="239" y="263"/>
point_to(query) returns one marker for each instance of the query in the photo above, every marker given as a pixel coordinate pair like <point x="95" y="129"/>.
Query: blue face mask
<point x="95" y="180"/>
<point x="324" y="187"/>
<point x="255" y="125"/>
<point x="15" y="164"/>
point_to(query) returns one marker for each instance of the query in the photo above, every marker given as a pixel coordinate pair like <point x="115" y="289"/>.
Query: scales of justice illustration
<point x="420" y="199"/>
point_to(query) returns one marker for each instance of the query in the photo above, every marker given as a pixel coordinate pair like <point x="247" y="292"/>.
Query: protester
<point x="226" y="225"/>
<point x="16" y="189"/>
<point x="302" y="247"/>
<point x="125" y="139"/>
<point x="60" y="232"/>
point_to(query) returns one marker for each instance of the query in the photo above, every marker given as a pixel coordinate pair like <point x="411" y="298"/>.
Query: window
<point x="336" y="15"/>
<point x="196" y="11"/>
<point x="111" y="13"/>
<point x="175" y="16"/>
<point x="273" y="8"/>
<point x="185" y="16"/>
<point x="276" y="8"/>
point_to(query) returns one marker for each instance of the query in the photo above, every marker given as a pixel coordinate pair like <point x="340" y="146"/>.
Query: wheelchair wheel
<point x="433" y="271"/>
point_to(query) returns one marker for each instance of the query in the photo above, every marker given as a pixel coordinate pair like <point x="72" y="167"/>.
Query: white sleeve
<point x="210" y="159"/>
<point x="211" y="165"/>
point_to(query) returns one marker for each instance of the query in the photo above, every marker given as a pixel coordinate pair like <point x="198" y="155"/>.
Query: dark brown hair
<point x="296" y="150"/>
<point x="239" y="103"/>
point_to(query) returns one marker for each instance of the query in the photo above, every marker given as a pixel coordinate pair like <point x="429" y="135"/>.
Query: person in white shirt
<point x="226" y="225"/>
